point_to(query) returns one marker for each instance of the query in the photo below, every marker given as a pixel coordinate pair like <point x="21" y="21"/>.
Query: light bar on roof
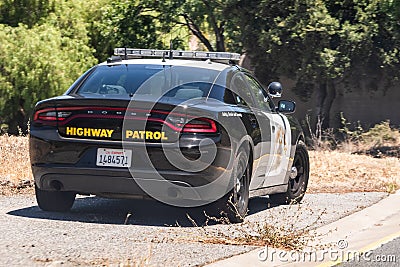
<point x="132" y="53"/>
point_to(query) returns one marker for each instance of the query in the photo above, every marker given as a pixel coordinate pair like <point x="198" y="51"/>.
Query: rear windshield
<point x="178" y="82"/>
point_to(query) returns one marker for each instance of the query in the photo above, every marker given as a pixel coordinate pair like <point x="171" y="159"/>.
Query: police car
<point x="186" y="128"/>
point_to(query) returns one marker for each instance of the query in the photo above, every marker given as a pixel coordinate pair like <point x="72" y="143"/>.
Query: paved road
<point x="94" y="232"/>
<point x="387" y="255"/>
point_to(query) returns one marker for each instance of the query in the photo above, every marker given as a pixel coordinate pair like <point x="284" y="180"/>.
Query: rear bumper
<point x="120" y="183"/>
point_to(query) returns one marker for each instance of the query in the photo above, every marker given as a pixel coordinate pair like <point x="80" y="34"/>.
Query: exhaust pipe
<point x="56" y="185"/>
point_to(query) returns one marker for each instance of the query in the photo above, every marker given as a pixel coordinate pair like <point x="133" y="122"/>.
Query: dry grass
<point x="331" y="171"/>
<point x="15" y="172"/>
<point x="339" y="172"/>
<point x="364" y="161"/>
<point x="268" y="232"/>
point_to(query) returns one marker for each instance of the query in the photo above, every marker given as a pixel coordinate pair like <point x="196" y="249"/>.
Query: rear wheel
<point x="235" y="203"/>
<point x="54" y="200"/>
<point x="298" y="179"/>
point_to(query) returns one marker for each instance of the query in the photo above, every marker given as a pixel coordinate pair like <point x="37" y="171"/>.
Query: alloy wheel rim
<point x="297" y="182"/>
<point x="240" y="187"/>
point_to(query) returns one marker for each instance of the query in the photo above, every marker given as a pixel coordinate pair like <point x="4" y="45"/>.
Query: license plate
<point x="114" y="157"/>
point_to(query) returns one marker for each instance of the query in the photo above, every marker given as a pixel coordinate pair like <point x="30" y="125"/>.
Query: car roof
<point x="206" y="64"/>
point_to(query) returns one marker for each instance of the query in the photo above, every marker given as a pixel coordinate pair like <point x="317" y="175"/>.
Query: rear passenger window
<point x="241" y="91"/>
<point x="258" y="92"/>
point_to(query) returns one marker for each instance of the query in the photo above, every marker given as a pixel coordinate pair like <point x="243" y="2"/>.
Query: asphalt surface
<point x="387" y="255"/>
<point x="101" y="231"/>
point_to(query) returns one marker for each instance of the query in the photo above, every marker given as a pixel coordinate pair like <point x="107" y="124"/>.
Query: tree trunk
<point x="326" y="94"/>
<point x="218" y="29"/>
<point x="197" y="32"/>
<point x="220" y="40"/>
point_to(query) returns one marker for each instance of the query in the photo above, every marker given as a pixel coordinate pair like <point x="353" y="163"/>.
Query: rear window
<point x="178" y="82"/>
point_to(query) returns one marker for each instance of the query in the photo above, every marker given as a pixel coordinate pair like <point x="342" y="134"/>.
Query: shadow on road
<point x="143" y="212"/>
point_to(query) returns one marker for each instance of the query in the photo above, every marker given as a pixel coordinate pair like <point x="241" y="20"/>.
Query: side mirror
<point x="275" y="89"/>
<point x="286" y="106"/>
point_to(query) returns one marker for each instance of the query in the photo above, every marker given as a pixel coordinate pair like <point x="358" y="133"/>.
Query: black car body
<point x="185" y="132"/>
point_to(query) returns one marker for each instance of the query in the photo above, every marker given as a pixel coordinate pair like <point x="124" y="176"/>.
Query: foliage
<point x="41" y="61"/>
<point x="382" y="140"/>
<point x="157" y="24"/>
<point x="53" y="42"/>
<point x="314" y="41"/>
<point x="322" y="43"/>
<point x="349" y="134"/>
<point x="207" y="20"/>
<point x="382" y="134"/>
<point x="28" y="12"/>
<point x="123" y="24"/>
<point x="319" y="44"/>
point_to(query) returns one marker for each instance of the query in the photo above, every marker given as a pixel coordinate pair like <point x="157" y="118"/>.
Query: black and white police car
<point x="186" y="128"/>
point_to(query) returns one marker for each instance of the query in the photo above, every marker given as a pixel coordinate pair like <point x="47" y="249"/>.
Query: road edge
<point x="376" y="225"/>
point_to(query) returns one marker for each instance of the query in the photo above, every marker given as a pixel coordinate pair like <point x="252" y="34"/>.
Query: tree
<point x="28" y="12"/>
<point x="150" y="23"/>
<point x="123" y="24"/>
<point x="203" y="18"/>
<point x="319" y="44"/>
<point x="293" y="39"/>
<point x="41" y="61"/>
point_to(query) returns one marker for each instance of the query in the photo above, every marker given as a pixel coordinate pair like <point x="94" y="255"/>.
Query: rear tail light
<point x="50" y="114"/>
<point x="183" y="123"/>
<point x="200" y="125"/>
<point x="46" y="116"/>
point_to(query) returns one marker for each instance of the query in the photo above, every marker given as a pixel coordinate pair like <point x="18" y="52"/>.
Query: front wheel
<point x="54" y="200"/>
<point x="235" y="203"/>
<point x="298" y="178"/>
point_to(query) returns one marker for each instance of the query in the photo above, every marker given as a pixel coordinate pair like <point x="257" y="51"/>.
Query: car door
<point x="275" y="127"/>
<point x="243" y="98"/>
<point x="263" y="148"/>
<point x="280" y="150"/>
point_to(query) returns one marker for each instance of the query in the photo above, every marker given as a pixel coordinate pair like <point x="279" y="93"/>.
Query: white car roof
<point x="207" y="64"/>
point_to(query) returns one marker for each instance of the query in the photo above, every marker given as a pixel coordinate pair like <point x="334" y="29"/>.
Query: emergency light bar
<point x="140" y="53"/>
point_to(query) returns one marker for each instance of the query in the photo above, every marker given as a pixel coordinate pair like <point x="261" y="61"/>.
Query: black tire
<point x="54" y="200"/>
<point x="234" y="205"/>
<point x="297" y="186"/>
